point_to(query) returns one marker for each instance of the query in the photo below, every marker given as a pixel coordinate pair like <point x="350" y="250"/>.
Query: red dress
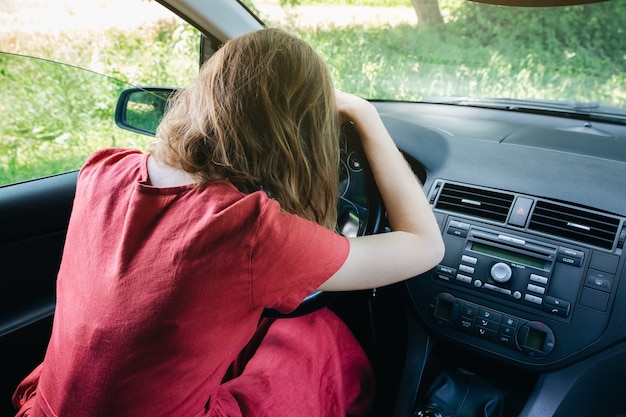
<point x="159" y="291"/>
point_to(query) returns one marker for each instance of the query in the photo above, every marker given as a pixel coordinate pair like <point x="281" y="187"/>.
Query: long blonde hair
<point x="262" y="114"/>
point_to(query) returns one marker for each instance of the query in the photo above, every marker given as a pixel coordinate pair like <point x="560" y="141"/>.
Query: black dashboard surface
<point x="551" y="157"/>
<point x="574" y="169"/>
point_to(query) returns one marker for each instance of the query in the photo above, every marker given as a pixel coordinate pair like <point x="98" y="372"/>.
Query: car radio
<point x="510" y="266"/>
<point x="514" y="294"/>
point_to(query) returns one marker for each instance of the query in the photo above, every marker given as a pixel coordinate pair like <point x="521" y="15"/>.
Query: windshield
<point x="460" y="52"/>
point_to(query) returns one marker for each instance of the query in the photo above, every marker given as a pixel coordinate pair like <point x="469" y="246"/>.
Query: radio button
<point x="556" y="306"/>
<point x="469" y="259"/>
<point x="495" y="288"/>
<point x="557" y="311"/>
<point x="570" y="256"/>
<point x="442" y="277"/>
<point x="445" y="270"/>
<point x="444" y="273"/>
<point x="539" y="279"/>
<point x="457" y="232"/>
<point x="569" y="260"/>
<point x="466" y="269"/>
<point x="459" y="225"/>
<point x="533" y="299"/>
<point x="571" y="252"/>
<point x="511" y="239"/>
<point x="536" y="288"/>
<point x="463" y="278"/>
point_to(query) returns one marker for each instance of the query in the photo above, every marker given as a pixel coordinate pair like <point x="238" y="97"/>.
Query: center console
<point x="526" y="279"/>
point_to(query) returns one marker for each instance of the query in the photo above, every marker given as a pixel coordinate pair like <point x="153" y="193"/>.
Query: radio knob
<point x="501" y="272"/>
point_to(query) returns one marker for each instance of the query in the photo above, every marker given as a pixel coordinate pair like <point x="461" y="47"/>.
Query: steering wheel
<point x="360" y="209"/>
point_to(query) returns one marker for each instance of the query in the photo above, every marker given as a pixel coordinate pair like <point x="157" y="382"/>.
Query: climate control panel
<point x="533" y="338"/>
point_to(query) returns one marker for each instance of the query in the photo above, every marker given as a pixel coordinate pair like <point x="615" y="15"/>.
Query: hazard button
<point x="520" y="211"/>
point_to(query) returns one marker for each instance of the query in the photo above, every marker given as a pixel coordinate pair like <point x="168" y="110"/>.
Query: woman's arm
<point x="414" y="245"/>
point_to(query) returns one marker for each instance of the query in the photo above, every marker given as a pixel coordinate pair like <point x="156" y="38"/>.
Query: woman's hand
<point x="415" y="244"/>
<point x="351" y="108"/>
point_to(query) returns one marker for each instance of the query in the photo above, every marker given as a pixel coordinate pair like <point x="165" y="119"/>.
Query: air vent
<point x="474" y="201"/>
<point x="575" y="224"/>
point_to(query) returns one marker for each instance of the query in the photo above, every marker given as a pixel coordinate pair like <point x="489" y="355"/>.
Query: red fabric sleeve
<point x="291" y="258"/>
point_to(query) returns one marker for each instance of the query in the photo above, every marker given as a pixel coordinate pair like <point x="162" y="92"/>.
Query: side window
<point x="63" y="64"/>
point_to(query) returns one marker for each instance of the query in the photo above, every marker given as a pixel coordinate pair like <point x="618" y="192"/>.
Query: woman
<point x="172" y="255"/>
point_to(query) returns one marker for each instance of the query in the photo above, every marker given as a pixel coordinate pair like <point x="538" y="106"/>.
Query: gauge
<point x="344" y="178"/>
<point x="353" y="163"/>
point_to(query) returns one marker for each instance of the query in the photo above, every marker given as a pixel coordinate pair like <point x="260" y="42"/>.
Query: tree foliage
<point x="594" y="32"/>
<point x="427" y="11"/>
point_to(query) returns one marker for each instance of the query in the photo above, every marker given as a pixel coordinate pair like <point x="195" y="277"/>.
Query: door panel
<point x="33" y="219"/>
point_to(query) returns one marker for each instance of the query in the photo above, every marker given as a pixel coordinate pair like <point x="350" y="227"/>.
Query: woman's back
<point x="160" y="288"/>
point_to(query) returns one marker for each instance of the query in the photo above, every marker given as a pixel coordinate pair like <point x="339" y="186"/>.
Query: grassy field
<point x="58" y="107"/>
<point x="55" y="115"/>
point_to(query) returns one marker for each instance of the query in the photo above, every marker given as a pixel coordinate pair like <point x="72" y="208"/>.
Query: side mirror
<point x="140" y="109"/>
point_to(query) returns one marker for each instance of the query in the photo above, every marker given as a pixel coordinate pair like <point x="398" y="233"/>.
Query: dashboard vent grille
<point x="575" y="224"/>
<point x="474" y="201"/>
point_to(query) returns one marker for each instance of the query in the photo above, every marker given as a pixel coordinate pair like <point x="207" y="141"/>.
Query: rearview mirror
<point x="140" y="109"/>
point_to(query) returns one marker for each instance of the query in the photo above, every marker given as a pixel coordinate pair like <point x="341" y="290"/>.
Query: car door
<point x="60" y="82"/>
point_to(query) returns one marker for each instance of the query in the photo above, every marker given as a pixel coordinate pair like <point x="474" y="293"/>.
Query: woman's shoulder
<point x="111" y="155"/>
<point x="115" y="161"/>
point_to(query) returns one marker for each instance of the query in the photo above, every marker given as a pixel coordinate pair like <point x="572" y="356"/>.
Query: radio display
<point x="508" y="255"/>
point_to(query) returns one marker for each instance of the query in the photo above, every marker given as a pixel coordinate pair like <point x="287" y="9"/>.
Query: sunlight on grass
<point x="59" y="114"/>
<point x="56" y="115"/>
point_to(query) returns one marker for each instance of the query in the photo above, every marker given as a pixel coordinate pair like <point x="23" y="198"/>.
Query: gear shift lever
<point x="461" y="394"/>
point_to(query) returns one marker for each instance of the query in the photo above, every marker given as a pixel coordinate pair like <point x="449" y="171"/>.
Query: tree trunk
<point x="428" y="12"/>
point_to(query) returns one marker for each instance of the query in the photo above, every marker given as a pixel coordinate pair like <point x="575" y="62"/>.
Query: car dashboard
<point x="531" y="210"/>
<point x="528" y="298"/>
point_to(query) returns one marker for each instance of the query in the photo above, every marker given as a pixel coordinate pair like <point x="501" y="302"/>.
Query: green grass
<point x="54" y="115"/>
<point x="52" y="123"/>
<point x="410" y="63"/>
<point x="583" y="62"/>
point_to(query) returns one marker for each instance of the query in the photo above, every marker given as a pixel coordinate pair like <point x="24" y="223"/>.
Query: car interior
<point x="525" y="315"/>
